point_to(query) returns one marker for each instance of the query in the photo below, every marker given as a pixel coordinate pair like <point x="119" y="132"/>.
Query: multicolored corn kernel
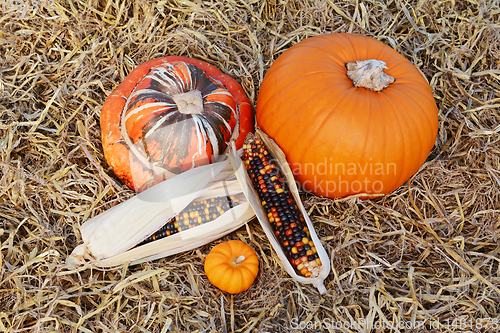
<point x="286" y="219"/>
<point x="195" y="214"/>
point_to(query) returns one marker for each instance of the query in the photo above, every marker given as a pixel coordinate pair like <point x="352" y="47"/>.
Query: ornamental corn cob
<point x="194" y="214"/>
<point x="286" y="220"/>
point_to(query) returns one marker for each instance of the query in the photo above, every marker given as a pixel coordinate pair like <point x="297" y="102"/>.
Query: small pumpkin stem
<point x="190" y="102"/>
<point x="369" y="74"/>
<point x="238" y="260"/>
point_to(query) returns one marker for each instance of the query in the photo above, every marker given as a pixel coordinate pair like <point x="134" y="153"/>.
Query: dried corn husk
<point x="109" y="239"/>
<point x="253" y="198"/>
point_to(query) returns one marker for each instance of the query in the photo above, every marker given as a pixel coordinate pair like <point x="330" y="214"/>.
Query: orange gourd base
<point x="169" y="115"/>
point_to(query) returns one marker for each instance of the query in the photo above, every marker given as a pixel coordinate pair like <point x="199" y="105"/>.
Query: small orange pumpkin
<point x="351" y="114"/>
<point x="232" y="266"/>
<point x="169" y="115"/>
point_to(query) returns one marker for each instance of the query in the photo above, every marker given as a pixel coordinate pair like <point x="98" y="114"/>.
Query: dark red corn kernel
<point x="193" y="215"/>
<point x="279" y="205"/>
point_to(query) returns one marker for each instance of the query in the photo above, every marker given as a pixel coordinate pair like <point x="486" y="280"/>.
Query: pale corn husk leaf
<point x="189" y="239"/>
<point x="254" y="200"/>
<point x="109" y="238"/>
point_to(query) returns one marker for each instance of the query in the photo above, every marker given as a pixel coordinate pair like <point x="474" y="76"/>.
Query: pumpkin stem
<point x="190" y="102"/>
<point x="238" y="260"/>
<point x="369" y="74"/>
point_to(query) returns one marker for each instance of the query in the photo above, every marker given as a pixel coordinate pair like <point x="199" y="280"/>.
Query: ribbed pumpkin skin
<point x="338" y="139"/>
<point x="143" y="129"/>
<point x="226" y="276"/>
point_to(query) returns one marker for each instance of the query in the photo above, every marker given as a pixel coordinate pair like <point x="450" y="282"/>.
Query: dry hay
<point x="425" y="258"/>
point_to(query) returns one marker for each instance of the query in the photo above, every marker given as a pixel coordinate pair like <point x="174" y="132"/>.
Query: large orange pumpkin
<point x="169" y="115"/>
<point x="351" y="114"/>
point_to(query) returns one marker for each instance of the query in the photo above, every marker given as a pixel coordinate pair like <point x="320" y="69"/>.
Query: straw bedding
<point x="424" y="258"/>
